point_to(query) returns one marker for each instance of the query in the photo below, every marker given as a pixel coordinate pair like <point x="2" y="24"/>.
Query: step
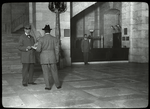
<point x="11" y="38"/>
<point x="16" y="71"/>
<point x="9" y="47"/>
<point x="10" y="50"/>
<point x="8" y="44"/>
<point x="7" y="54"/>
<point x="12" y="71"/>
<point x="12" y="67"/>
<point x="5" y="67"/>
<point x="12" y="58"/>
<point x="6" y="35"/>
<point x="12" y="34"/>
<point x="10" y="62"/>
<point x="7" y="40"/>
<point x="18" y="68"/>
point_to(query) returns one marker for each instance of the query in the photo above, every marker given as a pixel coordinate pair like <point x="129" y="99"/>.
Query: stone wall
<point x="135" y="18"/>
<point x="6" y="18"/>
<point x="109" y="16"/>
<point x="99" y="17"/>
<point x="85" y="21"/>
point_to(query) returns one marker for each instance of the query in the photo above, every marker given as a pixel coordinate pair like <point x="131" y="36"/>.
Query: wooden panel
<point x="102" y="54"/>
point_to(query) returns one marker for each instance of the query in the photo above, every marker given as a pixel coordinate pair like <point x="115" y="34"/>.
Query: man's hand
<point x="28" y="47"/>
<point x="33" y="47"/>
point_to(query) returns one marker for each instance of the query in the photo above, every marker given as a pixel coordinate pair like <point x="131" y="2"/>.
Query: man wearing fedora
<point x="27" y="56"/>
<point x="48" y="47"/>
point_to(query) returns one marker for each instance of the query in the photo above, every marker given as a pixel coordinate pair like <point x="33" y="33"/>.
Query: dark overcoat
<point x="85" y="45"/>
<point x="24" y="42"/>
<point x="48" y="47"/>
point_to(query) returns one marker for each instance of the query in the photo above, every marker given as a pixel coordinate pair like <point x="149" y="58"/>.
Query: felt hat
<point x="47" y="27"/>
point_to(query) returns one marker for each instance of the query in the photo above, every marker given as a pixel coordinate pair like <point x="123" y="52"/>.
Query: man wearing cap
<point x="27" y="56"/>
<point x="48" y="47"/>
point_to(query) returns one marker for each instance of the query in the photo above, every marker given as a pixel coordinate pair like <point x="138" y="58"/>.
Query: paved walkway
<point x="108" y="85"/>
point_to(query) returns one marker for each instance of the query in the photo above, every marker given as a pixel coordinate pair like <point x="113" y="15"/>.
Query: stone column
<point x="97" y="27"/>
<point x="139" y="31"/>
<point x="30" y="12"/>
<point x="135" y="18"/>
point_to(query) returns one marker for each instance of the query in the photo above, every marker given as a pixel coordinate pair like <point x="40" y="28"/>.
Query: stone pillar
<point x="139" y="30"/>
<point x="135" y="18"/>
<point x="43" y="16"/>
<point x="30" y="12"/>
<point x="97" y="27"/>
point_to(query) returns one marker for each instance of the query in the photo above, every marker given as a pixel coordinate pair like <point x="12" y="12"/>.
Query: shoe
<point x="47" y="88"/>
<point x="32" y="83"/>
<point x="58" y="87"/>
<point x="25" y="85"/>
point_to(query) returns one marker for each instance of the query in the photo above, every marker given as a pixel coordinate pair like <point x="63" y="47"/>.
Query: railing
<point x="20" y="22"/>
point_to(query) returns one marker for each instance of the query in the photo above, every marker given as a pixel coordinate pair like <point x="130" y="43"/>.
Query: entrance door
<point x="117" y="40"/>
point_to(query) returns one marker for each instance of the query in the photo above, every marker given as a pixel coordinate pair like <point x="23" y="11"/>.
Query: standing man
<point x="48" y="47"/>
<point x="27" y="56"/>
<point x="85" y="47"/>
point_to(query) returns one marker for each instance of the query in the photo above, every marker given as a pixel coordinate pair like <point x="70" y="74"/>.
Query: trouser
<point x="50" y="73"/>
<point x="86" y="57"/>
<point x="27" y="73"/>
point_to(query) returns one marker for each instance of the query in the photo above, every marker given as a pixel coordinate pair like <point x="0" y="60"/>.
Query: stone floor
<point x="107" y="85"/>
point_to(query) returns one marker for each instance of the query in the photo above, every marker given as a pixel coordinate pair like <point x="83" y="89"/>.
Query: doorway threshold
<point x="101" y="62"/>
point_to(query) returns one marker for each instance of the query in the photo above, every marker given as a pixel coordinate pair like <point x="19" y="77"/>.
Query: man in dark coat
<point x="27" y="56"/>
<point x="85" y="47"/>
<point x="48" y="47"/>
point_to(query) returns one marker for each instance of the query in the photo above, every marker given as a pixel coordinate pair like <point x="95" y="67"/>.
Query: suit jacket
<point x="26" y="56"/>
<point x="85" y="45"/>
<point x="48" y="47"/>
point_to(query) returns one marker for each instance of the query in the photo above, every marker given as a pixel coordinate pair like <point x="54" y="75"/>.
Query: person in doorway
<point x="48" y="46"/>
<point x="85" y="47"/>
<point x="27" y="56"/>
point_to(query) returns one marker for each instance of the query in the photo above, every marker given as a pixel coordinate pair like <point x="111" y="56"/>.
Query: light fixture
<point x="118" y="27"/>
<point x="113" y="27"/>
<point x="91" y="30"/>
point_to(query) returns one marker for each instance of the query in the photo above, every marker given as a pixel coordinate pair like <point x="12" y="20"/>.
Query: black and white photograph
<point x="75" y="54"/>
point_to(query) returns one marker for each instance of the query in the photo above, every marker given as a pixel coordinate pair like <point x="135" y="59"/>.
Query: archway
<point x="111" y="19"/>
